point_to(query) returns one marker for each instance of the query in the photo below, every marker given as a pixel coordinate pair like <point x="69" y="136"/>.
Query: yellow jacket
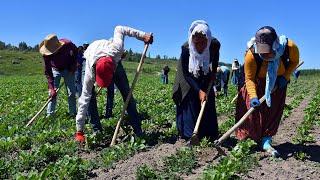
<point x="250" y="68"/>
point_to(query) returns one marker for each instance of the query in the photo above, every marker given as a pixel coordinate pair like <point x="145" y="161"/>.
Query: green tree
<point x="23" y="46"/>
<point x="2" y="45"/>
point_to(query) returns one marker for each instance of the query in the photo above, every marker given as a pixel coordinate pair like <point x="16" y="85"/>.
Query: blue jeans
<point x="121" y="81"/>
<point x="78" y="78"/>
<point x="164" y="79"/>
<point x="71" y="89"/>
<point x="110" y="97"/>
<point x="92" y="109"/>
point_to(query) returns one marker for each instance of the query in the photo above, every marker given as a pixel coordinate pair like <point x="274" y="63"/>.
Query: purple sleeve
<point x="48" y="72"/>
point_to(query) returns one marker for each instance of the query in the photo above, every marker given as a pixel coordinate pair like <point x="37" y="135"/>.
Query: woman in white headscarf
<point x="199" y="56"/>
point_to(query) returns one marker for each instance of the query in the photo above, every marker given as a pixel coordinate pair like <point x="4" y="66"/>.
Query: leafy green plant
<point x="182" y="162"/>
<point x="239" y="161"/>
<point x="144" y="172"/>
<point x="300" y="155"/>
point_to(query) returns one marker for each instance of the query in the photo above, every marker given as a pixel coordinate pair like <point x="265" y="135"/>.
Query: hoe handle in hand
<point x="244" y="85"/>
<point x="42" y="108"/>
<point x="240" y="122"/>
<point x="129" y="95"/>
<point x="194" y="138"/>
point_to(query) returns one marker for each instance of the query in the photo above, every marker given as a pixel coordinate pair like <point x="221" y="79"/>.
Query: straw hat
<point x="50" y="45"/>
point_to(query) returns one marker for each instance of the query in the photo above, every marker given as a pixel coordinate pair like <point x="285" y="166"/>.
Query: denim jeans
<point x="92" y="109"/>
<point x="71" y="89"/>
<point x="78" y="80"/>
<point x="164" y="79"/>
<point x="110" y="97"/>
<point x="121" y="81"/>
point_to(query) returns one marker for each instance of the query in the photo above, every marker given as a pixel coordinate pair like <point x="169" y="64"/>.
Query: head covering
<point x="266" y="41"/>
<point x="197" y="60"/>
<point x="273" y="65"/>
<point x="265" y="38"/>
<point x="50" y="45"/>
<point x="104" y="71"/>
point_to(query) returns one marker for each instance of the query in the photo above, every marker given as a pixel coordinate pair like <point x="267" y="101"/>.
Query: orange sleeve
<point x="250" y="68"/>
<point x="293" y="59"/>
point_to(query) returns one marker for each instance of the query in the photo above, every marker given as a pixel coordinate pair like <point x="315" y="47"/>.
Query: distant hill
<point x="13" y="62"/>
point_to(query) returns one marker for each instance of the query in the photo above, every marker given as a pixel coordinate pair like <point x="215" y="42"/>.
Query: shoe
<point x="266" y="146"/>
<point x="273" y="152"/>
<point x="108" y="114"/>
<point x="79" y="136"/>
<point x="138" y="132"/>
<point x="97" y="133"/>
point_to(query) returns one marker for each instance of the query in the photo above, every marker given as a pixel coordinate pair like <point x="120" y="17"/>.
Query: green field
<point x="47" y="149"/>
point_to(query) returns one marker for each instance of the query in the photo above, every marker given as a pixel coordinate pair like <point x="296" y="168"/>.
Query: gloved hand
<point x="281" y="82"/>
<point x="53" y="93"/>
<point x="254" y="102"/>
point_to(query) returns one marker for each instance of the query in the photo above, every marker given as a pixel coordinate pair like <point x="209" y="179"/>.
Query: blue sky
<point x="232" y="22"/>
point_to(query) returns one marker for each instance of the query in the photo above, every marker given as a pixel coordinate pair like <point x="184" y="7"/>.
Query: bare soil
<point x="288" y="167"/>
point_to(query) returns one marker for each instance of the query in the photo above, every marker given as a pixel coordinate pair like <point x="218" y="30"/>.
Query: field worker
<point x="60" y="60"/>
<point x="235" y="72"/>
<point x="269" y="63"/>
<point x="102" y="60"/>
<point x="165" y="74"/>
<point x="223" y="74"/>
<point x="196" y="68"/>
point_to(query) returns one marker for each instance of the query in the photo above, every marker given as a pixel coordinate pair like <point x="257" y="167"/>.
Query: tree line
<point x="134" y="56"/>
<point x="22" y="46"/>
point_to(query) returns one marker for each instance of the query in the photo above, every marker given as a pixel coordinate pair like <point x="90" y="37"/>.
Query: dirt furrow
<point x="126" y="169"/>
<point x="287" y="167"/>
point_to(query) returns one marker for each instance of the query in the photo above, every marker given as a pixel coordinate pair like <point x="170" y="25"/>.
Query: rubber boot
<point x="266" y="145"/>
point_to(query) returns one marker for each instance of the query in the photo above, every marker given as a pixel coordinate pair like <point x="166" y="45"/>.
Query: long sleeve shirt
<point x="64" y="58"/>
<point x="250" y="68"/>
<point x="100" y="48"/>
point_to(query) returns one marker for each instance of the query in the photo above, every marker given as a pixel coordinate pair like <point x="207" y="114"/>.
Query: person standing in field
<point x="103" y="58"/>
<point x="165" y="74"/>
<point x="196" y="68"/>
<point x="235" y="72"/>
<point x="269" y="62"/>
<point x="60" y="60"/>
<point x="223" y="74"/>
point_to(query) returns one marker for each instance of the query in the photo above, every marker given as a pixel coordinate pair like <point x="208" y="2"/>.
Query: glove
<point x="281" y="82"/>
<point x="79" y="136"/>
<point x="254" y="102"/>
<point x="53" y="93"/>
